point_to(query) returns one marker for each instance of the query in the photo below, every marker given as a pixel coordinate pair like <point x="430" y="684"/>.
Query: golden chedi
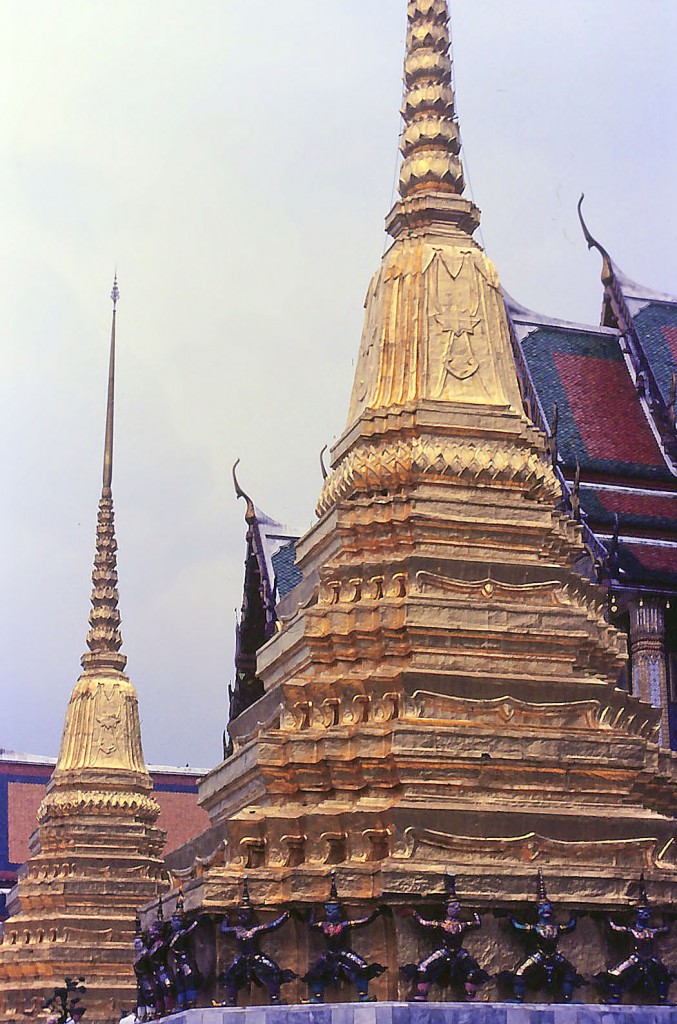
<point x="96" y="855"/>
<point x="441" y="695"/>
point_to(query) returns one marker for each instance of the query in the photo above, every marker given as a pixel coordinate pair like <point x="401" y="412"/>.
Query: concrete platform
<point x="432" y="1013"/>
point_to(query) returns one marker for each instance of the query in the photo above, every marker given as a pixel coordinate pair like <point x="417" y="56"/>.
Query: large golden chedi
<point x="97" y="853"/>
<point x="441" y="695"/>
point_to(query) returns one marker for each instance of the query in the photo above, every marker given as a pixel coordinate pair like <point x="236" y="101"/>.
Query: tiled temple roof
<point x="602" y="424"/>
<point x="610" y="426"/>
<point x="269" y="539"/>
<point x="656" y="329"/>
<point x="287" y="574"/>
<point x="645" y="513"/>
<point x="643" y="560"/>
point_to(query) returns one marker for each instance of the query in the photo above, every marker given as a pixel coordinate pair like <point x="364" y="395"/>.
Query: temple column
<point x="649" y="668"/>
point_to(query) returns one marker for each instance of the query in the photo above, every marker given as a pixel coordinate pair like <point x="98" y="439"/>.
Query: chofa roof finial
<point x="251" y="511"/>
<point x="607" y="267"/>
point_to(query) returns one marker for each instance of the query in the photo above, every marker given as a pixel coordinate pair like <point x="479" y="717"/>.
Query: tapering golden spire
<point x="436" y="346"/>
<point x="102" y="729"/>
<point x="430" y="143"/>
<point x="431" y="176"/>
<point x="104" y="638"/>
<point x="98" y="813"/>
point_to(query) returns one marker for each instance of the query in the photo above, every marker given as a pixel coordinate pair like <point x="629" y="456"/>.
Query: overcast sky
<point x="236" y="159"/>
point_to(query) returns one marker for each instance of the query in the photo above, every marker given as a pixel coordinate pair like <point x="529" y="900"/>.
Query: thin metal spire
<point x="104" y="638"/>
<point x="110" y="407"/>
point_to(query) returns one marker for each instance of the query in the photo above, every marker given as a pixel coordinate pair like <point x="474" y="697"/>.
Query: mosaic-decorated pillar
<point x="649" y="668"/>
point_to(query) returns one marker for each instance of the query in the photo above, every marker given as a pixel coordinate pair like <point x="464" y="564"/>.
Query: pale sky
<point x="236" y="160"/>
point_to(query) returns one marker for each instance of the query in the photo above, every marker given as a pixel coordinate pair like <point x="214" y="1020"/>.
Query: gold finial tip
<point x="115" y="294"/>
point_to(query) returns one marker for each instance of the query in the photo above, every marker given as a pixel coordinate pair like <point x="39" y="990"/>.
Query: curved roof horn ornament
<point x="607" y="269"/>
<point x="323" y="468"/>
<point x="251" y="511"/>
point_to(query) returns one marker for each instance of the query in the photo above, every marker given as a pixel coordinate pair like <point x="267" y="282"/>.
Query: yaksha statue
<point x="544" y="964"/>
<point x="187" y="978"/>
<point x="158" y="953"/>
<point x="641" y="968"/>
<point x="450" y="964"/>
<point x="339" y="962"/>
<point x="145" y="977"/>
<point x="251" y="964"/>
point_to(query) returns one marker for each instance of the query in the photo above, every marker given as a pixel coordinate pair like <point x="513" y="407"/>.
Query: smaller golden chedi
<point x="96" y="854"/>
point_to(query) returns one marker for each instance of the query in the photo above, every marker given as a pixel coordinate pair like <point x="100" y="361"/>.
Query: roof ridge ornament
<point x="607" y="268"/>
<point x="323" y="468"/>
<point x="104" y="639"/>
<point x="251" y="510"/>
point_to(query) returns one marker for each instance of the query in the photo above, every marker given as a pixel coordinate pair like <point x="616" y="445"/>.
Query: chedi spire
<point x="99" y="807"/>
<point x="431" y="141"/>
<point x="436" y="334"/>
<point x="104" y="638"/>
<point x="431" y="176"/>
<point x="102" y="729"/>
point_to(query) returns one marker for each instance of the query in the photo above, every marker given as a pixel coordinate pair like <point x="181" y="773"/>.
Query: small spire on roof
<point x="672" y="401"/>
<point x="552" y="436"/>
<point x="575" y="496"/>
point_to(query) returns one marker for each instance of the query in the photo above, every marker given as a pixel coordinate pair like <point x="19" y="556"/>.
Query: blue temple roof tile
<point x="655" y="513"/>
<point x="656" y="329"/>
<point x="287" y="574"/>
<point x="582" y="370"/>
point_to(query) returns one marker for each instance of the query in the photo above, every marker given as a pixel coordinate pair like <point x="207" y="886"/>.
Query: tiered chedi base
<point x="441" y="698"/>
<point x="94" y="859"/>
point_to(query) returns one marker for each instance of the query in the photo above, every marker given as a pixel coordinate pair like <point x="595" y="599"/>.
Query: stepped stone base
<point x="432" y="1013"/>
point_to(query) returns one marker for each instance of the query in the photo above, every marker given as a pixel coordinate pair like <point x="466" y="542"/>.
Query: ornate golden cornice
<point x="72" y="803"/>
<point x="370" y="468"/>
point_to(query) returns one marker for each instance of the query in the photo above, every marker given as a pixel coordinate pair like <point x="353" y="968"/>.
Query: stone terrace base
<point x="432" y="1013"/>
